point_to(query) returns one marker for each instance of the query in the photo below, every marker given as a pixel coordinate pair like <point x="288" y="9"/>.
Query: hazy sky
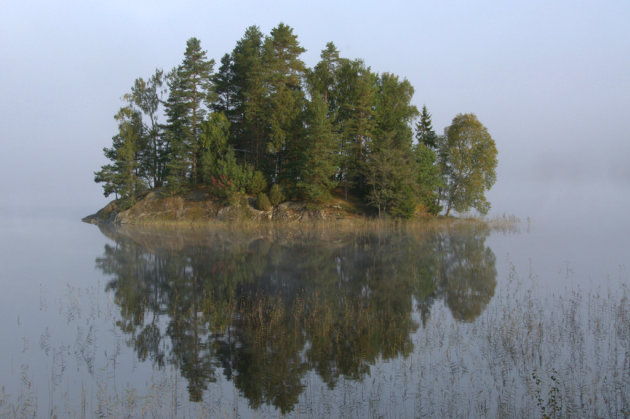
<point x="549" y="79"/>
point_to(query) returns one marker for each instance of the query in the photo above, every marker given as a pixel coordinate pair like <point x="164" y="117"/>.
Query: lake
<point x="522" y="320"/>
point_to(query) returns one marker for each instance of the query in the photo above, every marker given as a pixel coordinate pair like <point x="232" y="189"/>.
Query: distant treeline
<point x="266" y="125"/>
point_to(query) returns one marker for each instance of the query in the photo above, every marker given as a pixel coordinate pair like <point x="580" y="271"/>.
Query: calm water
<point x="467" y="321"/>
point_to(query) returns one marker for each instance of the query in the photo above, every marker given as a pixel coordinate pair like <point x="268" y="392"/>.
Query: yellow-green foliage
<point x="258" y="183"/>
<point x="262" y="202"/>
<point x="275" y="195"/>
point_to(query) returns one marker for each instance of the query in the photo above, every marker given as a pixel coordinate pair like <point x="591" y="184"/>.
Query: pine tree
<point x="355" y="120"/>
<point x="322" y="79"/>
<point x="190" y="89"/>
<point x="283" y="72"/>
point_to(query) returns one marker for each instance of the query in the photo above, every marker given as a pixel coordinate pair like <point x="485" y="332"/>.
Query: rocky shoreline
<point x="201" y="207"/>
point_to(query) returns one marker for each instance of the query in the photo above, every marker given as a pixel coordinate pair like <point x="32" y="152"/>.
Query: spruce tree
<point x="390" y="175"/>
<point x="428" y="178"/>
<point x="177" y="131"/>
<point x="249" y="89"/>
<point x="317" y="161"/>
<point x="424" y="130"/>
<point x="225" y="90"/>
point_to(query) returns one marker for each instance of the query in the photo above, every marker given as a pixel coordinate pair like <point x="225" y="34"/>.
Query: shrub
<point x="262" y="202"/>
<point x="258" y="183"/>
<point x="275" y="195"/>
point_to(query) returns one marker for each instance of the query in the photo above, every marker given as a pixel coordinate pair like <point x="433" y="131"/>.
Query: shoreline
<point x="199" y="209"/>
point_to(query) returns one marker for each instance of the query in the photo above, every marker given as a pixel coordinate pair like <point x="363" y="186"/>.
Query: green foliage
<point x="394" y="111"/>
<point x="124" y="177"/>
<point x="282" y="331"/>
<point x="275" y="195"/>
<point x="190" y="88"/>
<point x="391" y="178"/>
<point x="262" y="202"/>
<point x="247" y="96"/>
<point x="357" y="91"/>
<point x="322" y="80"/>
<point x="283" y="72"/>
<point x="225" y="88"/>
<point x="429" y="179"/>
<point x="316" y="155"/>
<point x="214" y="144"/>
<point x="230" y="177"/>
<point x="258" y="183"/>
<point x="470" y="160"/>
<point x="424" y="130"/>
<point x="146" y="96"/>
<point x="264" y="117"/>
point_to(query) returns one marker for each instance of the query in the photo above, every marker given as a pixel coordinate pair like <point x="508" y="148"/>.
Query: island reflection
<point x="264" y="309"/>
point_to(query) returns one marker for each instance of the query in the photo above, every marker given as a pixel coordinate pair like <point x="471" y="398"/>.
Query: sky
<point x="549" y="79"/>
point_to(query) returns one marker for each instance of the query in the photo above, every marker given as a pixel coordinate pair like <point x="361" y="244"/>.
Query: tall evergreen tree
<point x="219" y="167"/>
<point x="225" y="89"/>
<point x="390" y="174"/>
<point x="214" y="144"/>
<point x="322" y="79"/>
<point x="124" y="176"/>
<point x="394" y="111"/>
<point x="424" y="130"/>
<point x="428" y="177"/>
<point x="176" y="134"/>
<point x="317" y="153"/>
<point x="249" y="88"/>
<point x="355" y="120"/>
<point x="190" y="89"/>
<point x="284" y="72"/>
<point x="430" y="181"/>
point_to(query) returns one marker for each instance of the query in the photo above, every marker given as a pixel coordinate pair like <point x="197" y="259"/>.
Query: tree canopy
<point x="264" y="121"/>
<point x="470" y="160"/>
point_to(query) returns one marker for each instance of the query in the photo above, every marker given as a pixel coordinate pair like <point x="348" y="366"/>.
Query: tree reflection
<point x="266" y="310"/>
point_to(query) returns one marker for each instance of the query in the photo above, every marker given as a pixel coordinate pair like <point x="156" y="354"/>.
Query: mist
<point x="551" y="82"/>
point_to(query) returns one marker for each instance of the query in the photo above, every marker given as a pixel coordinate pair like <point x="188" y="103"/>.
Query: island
<point x="267" y="138"/>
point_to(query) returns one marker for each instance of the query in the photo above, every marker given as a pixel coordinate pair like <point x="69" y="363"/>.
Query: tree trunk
<point x="194" y="134"/>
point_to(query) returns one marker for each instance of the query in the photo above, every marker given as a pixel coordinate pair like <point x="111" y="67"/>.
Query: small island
<point x="267" y="138"/>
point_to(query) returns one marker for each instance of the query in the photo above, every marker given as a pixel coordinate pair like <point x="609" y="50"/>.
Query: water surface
<point x="461" y="321"/>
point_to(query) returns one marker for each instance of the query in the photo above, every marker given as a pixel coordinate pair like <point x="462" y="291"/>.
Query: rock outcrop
<point x="200" y="206"/>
